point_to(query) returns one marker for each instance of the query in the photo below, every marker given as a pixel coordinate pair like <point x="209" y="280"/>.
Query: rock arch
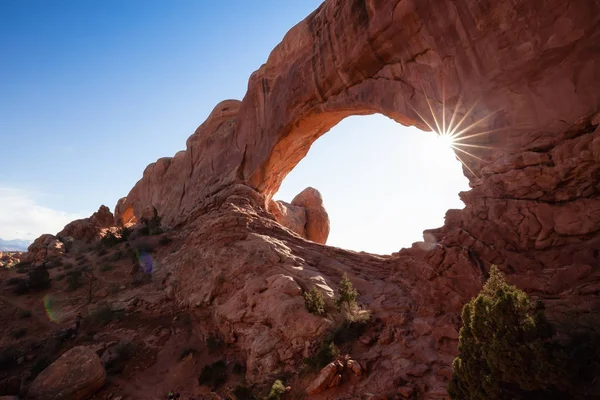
<point x="400" y="59"/>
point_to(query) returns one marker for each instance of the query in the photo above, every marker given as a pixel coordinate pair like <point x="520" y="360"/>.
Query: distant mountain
<point x="14" y="245"/>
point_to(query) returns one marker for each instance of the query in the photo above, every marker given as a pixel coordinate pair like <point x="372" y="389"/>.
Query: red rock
<point x="317" y="220"/>
<point x="324" y="380"/>
<point x="77" y="375"/>
<point x="90" y="229"/>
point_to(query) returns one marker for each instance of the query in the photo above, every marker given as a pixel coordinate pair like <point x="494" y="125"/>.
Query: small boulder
<point x="76" y="375"/>
<point x="323" y="380"/>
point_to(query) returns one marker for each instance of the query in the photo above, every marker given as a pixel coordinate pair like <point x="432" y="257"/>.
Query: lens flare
<point x="53" y="309"/>
<point x="453" y="135"/>
<point x="146" y="262"/>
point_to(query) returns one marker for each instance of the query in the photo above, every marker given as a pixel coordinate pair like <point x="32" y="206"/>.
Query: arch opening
<point x="382" y="183"/>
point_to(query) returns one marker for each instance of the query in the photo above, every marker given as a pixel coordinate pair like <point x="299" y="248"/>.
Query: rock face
<point x="306" y="216"/>
<point x="76" y="375"/>
<point x="523" y="78"/>
<point x="89" y="229"/>
<point x="46" y="246"/>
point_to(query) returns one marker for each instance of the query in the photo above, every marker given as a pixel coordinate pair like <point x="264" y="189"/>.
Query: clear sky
<point x="93" y="91"/>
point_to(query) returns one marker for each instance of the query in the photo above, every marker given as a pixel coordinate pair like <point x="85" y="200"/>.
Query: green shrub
<point x="60" y="277"/>
<point x="213" y="375"/>
<point x="238" y="368"/>
<point x="38" y="279"/>
<point x="164" y="240"/>
<point x="506" y="347"/>
<point x="276" y="390"/>
<point x="100" y="317"/>
<point x="123" y="352"/>
<point x="187" y="351"/>
<point x="40" y="364"/>
<point x="18" y="333"/>
<point x="74" y="280"/>
<point x="314" y="302"/>
<point x="243" y="393"/>
<point x="348" y="331"/>
<point x="116" y="256"/>
<point x="21" y="287"/>
<point x="8" y="357"/>
<point x="14" y="281"/>
<point x="213" y="342"/>
<point x="23" y="314"/>
<point x="106" y="268"/>
<point x="326" y="354"/>
<point x="347" y="293"/>
<point x="114" y="238"/>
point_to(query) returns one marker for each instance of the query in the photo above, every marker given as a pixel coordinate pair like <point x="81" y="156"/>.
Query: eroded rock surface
<point x="90" y="229"/>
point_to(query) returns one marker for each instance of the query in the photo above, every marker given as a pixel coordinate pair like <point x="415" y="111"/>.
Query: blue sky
<point x="93" y="91"/>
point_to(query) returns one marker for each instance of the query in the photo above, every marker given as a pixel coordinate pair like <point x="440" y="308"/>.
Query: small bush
<point x="23" y="314"/>
<point x="347" y="293"/>
<point x="213" y="375"/>
<point x="116" y="256"/>
<point x="243" y="393"/>
<point x="213" y="342"/>
<point x="144" y="231"/>
<point x="100" y="317"/>
<point x="18" y="333"/>
<point x="187" y="351"/>
<point x="102" y="251"/>
<point x="164" y="240"/>
<point x="314" y="302"/>
<point x="38" y="279"/>
<point x="21" y="288"/>
<point x="238" y="368"/>
<point x="276" y="390"/>
<point x="74" y="280"/>
<point x="8" y="357"/>
<point x="60" y="277"/>
<point x="14" y="281"/>
<point x="348" y="331"/>
<point x="326" y="354"/>
<point x="123" y="352"/>
<point x="40" y="364"/>
<point x="106" y="268"/>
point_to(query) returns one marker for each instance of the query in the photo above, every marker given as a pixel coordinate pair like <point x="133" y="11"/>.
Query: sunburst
<point x="454" y="134"/>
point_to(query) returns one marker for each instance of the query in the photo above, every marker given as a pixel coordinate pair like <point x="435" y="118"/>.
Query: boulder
<point x="327" y="376"/>
<point x="292" y="217"/>
<point x="76" y="375"/>
<point x="43" y="247"/>
<point x="317" y="219"/>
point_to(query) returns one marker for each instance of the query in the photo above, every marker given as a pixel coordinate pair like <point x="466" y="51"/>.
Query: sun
<point x="445" y="140"/>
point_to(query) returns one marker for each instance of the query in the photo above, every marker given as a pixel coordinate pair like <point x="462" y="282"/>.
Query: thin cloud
<point x="21" y="217"/>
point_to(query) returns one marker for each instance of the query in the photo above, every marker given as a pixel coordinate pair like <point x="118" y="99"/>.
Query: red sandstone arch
<point x="537" y="67"/>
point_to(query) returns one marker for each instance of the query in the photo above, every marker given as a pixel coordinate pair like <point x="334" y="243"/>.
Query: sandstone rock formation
<point x="529" y="74"/>
<point x="306" y="216"/>
<point x="76" y="375"/>
<point x="89" y="229"/>
<point x="42" y="248"/>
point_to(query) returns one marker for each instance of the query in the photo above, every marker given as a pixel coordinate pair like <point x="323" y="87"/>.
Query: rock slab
<point x="76" y="375"/>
